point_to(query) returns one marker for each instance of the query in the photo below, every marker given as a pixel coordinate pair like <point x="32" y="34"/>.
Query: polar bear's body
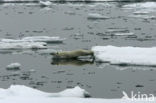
<point x="73" y="54"/>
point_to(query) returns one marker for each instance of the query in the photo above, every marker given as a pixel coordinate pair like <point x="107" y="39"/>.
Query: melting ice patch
<point x="23" y="94"/>
<point x="34" y="42"/>
<point x="95" y="16"/>
<point x="126" y="55"/>
<point x="27" y="92"/>
<point x="45" y="3"/>
<point x="35" y="39"/>
<point x="142" y="5"/>
<point x="143" y="10"/>
<point x="43" y="39"/>
<point x="123" y="34"/>
<point x="13" y="66"/>
<point x="23" y="45"/>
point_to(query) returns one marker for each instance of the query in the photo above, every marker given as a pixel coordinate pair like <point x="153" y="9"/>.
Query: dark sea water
<point x="70" y="21"/>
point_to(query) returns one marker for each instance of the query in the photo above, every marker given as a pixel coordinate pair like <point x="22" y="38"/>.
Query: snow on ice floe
<point x="13" y="66"/>
<point x="20" y="93"/>
<point x="144" y="16"/>
<point x="143" y="10"/>
<point x="45" y="3"/>
<point x="126" y="55"/>
<point x="34" y="42"/>
<point x="43" y="39"/>
<point x="23" y="94"/>
<point x="23" y="45"/>
<point x="36" y="39"/>
<point x="123" y="34"/>
<point x="95" y="16"/>
<point x="141" y="5"/>
<point x="27" y="92"/>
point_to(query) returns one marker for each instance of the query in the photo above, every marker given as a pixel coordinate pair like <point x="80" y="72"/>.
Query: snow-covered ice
<point x="13" y="66"/>
<point x="34" y="42"/>
<point x="144" y="10"/>
<point x="95" y="16"/>
<point x="43" y="39"/>
<point x="23" y="94"/>
<point x="123" y="34"/>
<point x="27" y="92"/>
<point x="141" y="5"/>
<point x="45" y="3"/>
<point x="126" y="55"/>
<point x="35" y="39"/>
<point x="23" y="45"/>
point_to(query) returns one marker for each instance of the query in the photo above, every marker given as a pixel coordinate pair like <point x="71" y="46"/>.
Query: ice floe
<point x="141" y="5"/>
<point x="23" y="94"/>
<point x="123" y="34"/>
<point x="36" y="39"/>
<point x="45" y="3"/>
<point x="34" y="42"/>
<point x="145" y="10"/>
<point x="95" y="16"/>
<point x="21" y="91"/>
<point x="126" y="55"/>
<point x="13" y="66"/>
<point x="43" y="39"/>
<point x="23" y="45"/>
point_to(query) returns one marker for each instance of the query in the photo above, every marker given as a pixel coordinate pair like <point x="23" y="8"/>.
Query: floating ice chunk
<point x="126" y="55"/>
<point x="35" y="39"/>
<point x="43" y="39"/>
<point x="144" y="16"/>
<point x="23" y="45"/>
<point x="75" y="92"/>
<point x="123" y="34"/>
<point x="94" y="16"/>
<point x="27" y="92"/>
<point x="13" y="66"/>
<point x="143" y="8"/>
<point x="23" y="94"/>
<point x="141" y="5"/>
<point x="11" y="41"/>
<point x="45" y="3"/>
<point x="141" y="12"/>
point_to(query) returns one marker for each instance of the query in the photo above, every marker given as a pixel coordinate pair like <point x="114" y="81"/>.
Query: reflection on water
<point x="75" y="62"/>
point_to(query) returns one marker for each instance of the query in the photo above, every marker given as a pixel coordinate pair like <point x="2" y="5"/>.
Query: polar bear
<point x="73" y="54"/>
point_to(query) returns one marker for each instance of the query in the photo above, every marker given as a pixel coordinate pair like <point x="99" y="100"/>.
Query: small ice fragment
<point x="94" y="16"/>
<point x="75" y="92"/>
<point x="22" y="45"/>
<point x="13" y="66"/>
<point x="45" y="3"/>
<point x="123" y="34"/>
<point x="43" y="39"/>
<point x="55" y="39"/>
